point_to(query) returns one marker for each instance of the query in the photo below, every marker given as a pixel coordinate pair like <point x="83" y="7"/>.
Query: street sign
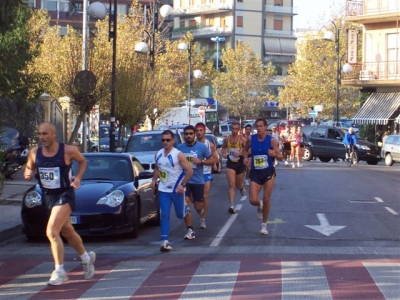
<point x="313" y="113"/>
<point x="202" y="111"/>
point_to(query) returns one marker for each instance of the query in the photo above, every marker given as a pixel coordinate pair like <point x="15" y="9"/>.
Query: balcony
<point x="204" y="9"/>
<point x="280" y="33"/>
<point x="202" y="31"/>
<point x="281" y="10"/>
<point x="374" y="74"/>
<point x="372" y="11"/>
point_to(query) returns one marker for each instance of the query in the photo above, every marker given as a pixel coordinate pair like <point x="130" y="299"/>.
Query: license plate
<point x="74" y="219"/>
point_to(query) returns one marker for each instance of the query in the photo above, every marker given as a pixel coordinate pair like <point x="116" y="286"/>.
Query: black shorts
<point x="55" y="199"/>
<point x="239" y="166"/>
<point x="286" y="146"/>
<point x="196" y="191"/>
<point x="262" y="176"/>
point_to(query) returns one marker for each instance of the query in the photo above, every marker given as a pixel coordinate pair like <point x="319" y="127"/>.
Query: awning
<point x="379" y="109"/>
<point x="280" y="46"/>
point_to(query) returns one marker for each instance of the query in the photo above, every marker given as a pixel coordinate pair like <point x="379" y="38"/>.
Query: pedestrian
<point x="53" y="161"/>
<point x="174" y="172"/>
<point x="232" y="149"/>
<point x="275" y="135"/>
<point x="198" y="155"/>
<point x="207" y="170"/>
<point x="264" y="149"/>
<point x="294" y="139"/>
<point x="246" y="134"/>
<point x="286" y="144"/>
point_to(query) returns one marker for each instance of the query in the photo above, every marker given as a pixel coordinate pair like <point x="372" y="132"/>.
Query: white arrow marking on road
<point x="325" y="228"/>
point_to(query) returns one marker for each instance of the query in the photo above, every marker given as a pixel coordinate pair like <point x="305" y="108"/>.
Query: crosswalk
<point x="217" y="279"/>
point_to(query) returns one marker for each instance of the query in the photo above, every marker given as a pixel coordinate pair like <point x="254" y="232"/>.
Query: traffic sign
<point x="313" y="113"/>
<point x="202" y="111"/>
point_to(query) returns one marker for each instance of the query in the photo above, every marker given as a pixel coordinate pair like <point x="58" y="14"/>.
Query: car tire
<point x="307" y="153"/>
<point x="389" y="160"/>
<point x="325" y="159"/>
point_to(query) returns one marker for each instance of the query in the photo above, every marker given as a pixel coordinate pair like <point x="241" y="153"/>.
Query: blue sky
<point x="312" y="12"/>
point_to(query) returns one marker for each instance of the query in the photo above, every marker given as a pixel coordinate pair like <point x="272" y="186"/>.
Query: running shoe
<point x="231" y="210"/>
<point x="293" y="166"/>
<point x="243" y="192"/>
<point x="260" y="211"/>
<point x="189" y="235"/>
<point x="286" y="162"/>
<point x="165" y="246"/>
<point x="57" y="278"/>
<point x="88" y="268"/>
<point x="299" y="165"/>
<point x="203" y="224"/>
<point x="246" y="182"/>
<point x="264" y="230"/>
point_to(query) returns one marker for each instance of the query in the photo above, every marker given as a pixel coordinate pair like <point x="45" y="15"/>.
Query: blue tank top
<point x="259" y="153"/>
<point x="54" y="173"/>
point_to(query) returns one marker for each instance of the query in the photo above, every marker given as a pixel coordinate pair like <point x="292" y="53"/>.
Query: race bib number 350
<point x="50" y="177"/>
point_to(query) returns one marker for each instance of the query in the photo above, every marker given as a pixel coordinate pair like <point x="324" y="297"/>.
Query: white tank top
<point x="170" y="171"/>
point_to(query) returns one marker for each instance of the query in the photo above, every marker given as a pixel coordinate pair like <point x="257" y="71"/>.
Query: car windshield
<point x="110" y="168"/>
<point x="145" y="142"/>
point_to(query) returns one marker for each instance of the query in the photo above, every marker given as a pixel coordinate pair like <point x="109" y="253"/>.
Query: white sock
<point x="264" y="224"/>
<point x="85" y="257"/>
<point x="60" y="268"/>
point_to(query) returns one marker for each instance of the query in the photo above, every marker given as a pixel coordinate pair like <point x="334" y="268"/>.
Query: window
<point x="319" y="133"/>
<point x="50" y="5"/>
<point x="192" y="23"/>
<point x="278" y="2"/>
<point x="239" y="21"/>
<point x="393" y="48"/>
<point x="278" y="24"/>
<point x="182" y="23"/>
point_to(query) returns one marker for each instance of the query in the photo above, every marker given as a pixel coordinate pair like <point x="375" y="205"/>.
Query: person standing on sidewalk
<point x="264" y="149"/>
<point x="232" y="148"/>
<point x="207" y="170"/>
<point x="174" y="173"/>
<point x="198" y="155"/>
<point x="53" y="161"/>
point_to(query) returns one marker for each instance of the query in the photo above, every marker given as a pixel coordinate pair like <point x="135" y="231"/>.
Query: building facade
<point x="379" y="69"/>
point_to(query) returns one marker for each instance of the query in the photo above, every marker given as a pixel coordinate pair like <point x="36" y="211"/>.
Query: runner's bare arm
<point x="275" y="152"/>
<point x="30" y="165"/>
<point x="155" y="174"/>
<point x="74" y="154"/>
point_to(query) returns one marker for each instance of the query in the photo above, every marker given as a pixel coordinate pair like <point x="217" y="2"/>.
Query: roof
<point x="379" y="109"/>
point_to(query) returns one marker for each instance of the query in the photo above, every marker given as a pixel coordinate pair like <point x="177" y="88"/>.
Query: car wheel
<point x="136" y="220"/>
<point x="307" y="153"/>
<point x="388" y="160"/>
<point x="325" y="159"/>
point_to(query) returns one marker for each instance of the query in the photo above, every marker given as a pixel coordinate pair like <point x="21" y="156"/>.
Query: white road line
<point x="122" y="281"/>
<point x="213" y="280"/>
<point x="228" y="224"/>
<point x="244" y="198"/>
<point x="391" y="211"/>
<point x="386" y="277"/>
<point x="304" y="280"/>
<point x="378" y="199"/>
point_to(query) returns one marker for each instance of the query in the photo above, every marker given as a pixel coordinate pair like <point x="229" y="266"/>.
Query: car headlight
<point x="363" y="147"/>
<point x="32" y="199"/>
<point x="113" y="199"/>
<point x="105" y="146"/>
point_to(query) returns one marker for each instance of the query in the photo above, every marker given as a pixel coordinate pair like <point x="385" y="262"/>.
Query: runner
<point x="275" y="135"/>
<point x="232" y="149"/>
<point x="207" y="170"/>
<point x="53" y="161"/>
<point x="294" y="139"/>
<point x="264" y="149"/>
<point x="246" y="134"/>
<point x="286" y="144"/>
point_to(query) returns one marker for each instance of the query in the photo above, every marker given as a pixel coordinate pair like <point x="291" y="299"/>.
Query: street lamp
<point x="196" y="73"/>
<point x="218" y="40"/>
<point x="142" y="47"/>
<point x="335" y="37"/>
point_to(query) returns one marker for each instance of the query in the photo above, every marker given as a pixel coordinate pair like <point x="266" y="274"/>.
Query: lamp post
<point x="335" y="37"/>
<point x="142" y="47"/>
<point x="196" y="73"/>
<point x="218" y="40"/>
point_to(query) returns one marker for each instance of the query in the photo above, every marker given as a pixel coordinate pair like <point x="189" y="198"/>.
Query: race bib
<point x="163" y="175"/>
<point x="189" y="158"/>
<point x="50" y="177"/>
<point x="232" y="152"/>
<point x="260" y="161"/>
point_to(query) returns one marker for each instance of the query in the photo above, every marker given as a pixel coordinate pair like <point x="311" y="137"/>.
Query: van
<point x="390" y="151"/>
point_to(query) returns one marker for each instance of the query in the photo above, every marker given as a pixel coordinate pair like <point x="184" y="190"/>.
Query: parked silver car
<point x="391" y="149"/>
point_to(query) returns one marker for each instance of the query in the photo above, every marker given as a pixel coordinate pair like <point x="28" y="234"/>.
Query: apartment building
<point x="379" y="68"/>
<point x="266" y="25"/>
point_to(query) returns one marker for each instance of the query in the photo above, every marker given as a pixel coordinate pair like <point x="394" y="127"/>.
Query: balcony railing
<point x="195" y="9"/>
<point x="289" y="10"/>
<point x="199" y="31"/>
<point x="371" y="7"/>
<point x="286" y="33"/>
<point x="384" y="70"/>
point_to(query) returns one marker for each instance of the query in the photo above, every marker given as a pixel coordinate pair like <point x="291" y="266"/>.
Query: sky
<point x="312" y="12"/>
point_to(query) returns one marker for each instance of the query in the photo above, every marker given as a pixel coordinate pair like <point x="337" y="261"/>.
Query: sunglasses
<point x="166" y="140"/>
<point x="189" y="133"/>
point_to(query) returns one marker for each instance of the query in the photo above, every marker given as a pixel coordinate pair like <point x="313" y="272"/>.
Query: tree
<point x="243" y="88"/>
<point x="311" y="79"/>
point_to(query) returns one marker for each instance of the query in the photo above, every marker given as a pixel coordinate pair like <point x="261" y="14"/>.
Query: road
<point x="334" y="233"/>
